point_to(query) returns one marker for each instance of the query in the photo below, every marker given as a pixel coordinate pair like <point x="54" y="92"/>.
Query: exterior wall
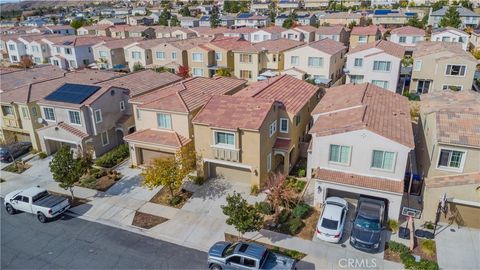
<point x="273" y="61"/>
<point x="293" y="34"/>
<point x="410" y="40"/>
<point x="254" y="66"/>
<point x="41" y="55"/>
<point x="452" y="36"/>
<point x="114" y="56"/>
<point x="168" y="61"/>
<point x="262" y="35"/>
<point x="339" y="21"/>
<point x="180" y="122"/>
<point x="18" y="52"/>
<point x="145" y="56"/>
<point x="354" y="39"/>
<point x="390" y="20"/>
<point x="208" y="59"/>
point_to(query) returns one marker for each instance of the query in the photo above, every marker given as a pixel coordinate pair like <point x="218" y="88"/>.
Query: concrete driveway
<point x="458" y="248"/>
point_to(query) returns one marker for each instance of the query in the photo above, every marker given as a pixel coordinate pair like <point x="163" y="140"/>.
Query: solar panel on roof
<point x="244" y="15"/>
<point x="72" y="93"/>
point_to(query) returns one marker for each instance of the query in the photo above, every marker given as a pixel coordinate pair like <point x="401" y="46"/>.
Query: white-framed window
<point x="423" y="86"/>
<point x="416" y="39"/>
<point x="402" y="39"/>
<point x="269" y="162"/>
<point x="380" y="83"/>
<point x="294" y="60"/>
<point x="98" y="116"/>
<point x="451" y="160"/>
<point x="224" y="139"/>
<point x="7" y="110"/>
<point x="49" y="113"/>
<point x="104" y="138"/>
<point x="164" y="120"/>
<point x="417" y="65"/>
<point x="74" y="117"/>
<point x="356" y="78"/>
<point x="218" y="56"/>
<point x="197" y="72"/>
<point x="174" y="55"/>
<point x="315" y="61"/>
<point x="358" y="62"/>
<point x="25" y="113"/>
<point x="452" y="87"/>
<point x="11" y="47"/>
<point x="455" y="70"/>
<point x="35" y="48"/>
<point x="245" y="58"/>
<point x="284" y="125"/>
<point x="362" y="39"/>
<point x="68" y="51"/>
<point x="383" y="160"/>
<point x="339" y="154"/>
<point x="246" y="74"/>
<point x="256" y="37"/>
<point x="57" y="49"/>
<point x="102" y="54"/>
<point x="136" y="55"/>
<point x="37" y="60"/>
<point x="34" y="111"/>
<point x="122" y="105"/>
<point x="14" y="58"/>
<point x="160" y="55"/>
<point x="138" y="114"/>
<point x="381" y="65"/>
<point x="446" y="39"/>
<point x="273" y="128"/>
<point x="197" y="57"/>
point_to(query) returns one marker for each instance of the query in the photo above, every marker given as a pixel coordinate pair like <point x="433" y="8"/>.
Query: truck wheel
<point x="10" y="209"/>
<point x="215" y="267"/>
<point x="41" y="217"/>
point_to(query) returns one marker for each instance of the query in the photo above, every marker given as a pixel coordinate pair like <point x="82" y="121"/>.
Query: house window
<point x="245" y="74"/>
<point x="122" y="105"/>
<point x="11" y="47"/>
<point x="197" y="57"/>
<point x="417" y="65"/>
<point x="34" y="111"/>
<point x="450" y="159"/>
<point x="35" y="49"/>
<point x="174" y="55"/>
<point x="383" y="160"/>
<point x="362" y="39"/>
<point x="381" y="65"/>
<point x="74" y="117"/>
<point x="455" y="70"/>
<point x="14" y="58"/>
<point x="138" y="114"/>
<point x="269" y="162"/>
<point x="218" y="56"/>
<point x="136" y="55"/>
<point x="71" y="63"/>
<point x="7" y="110"/>
<point x="446" y="39"/>
<point x="294" y="60"/>
<point x="256" y="37"/>
<point x="49" y="114"/>
<point x="383" y="84"/>
<point x="98" y="116"/>
<point x="104" y="137"/>
<point x="58" y="49"/>
<point x="164" y="120"/>
<point x="315" y="61"/>
<point x="339" y="154"/>
<point x="224" y="139"/>
<point x="197" y="72"/>
<point x="284" y="125"/>
<point x="452" y="87"/>
<point x="245" y="58"/>
<point x="25" y="113"/>
<point x="423" y="86"/>
<point x="37" y="60"/>
<point x="160" y="55"/>
<point x="68" y="51"/>
<point x="102" y="54"/>
<point x="273" y="128"/>
<point x="402" y="39"/>
<point x="356" y="78"/>
<point x="297" y="119"/>
<point x="358" y="62"/>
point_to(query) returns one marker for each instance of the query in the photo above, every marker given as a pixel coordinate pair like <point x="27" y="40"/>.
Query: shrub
<point x="428" y="247"/>
<point x="265" y="208"/>
<point x="113" y="157"/>
<point x="406" y="258"/>
<point x="297" y="185"/>
<point x="254" y="190"/>
<point x="427" y="265"/>
<point x="295" y="225"/>
<point x="199" y="180"/>
<point x="42" y="155"/>
<point x="301" y="210"/>
<point x="393" y="225"/>
<point x="398" y="247"/>
<point x="429" y="226"/>
<point x="302" y="172"/>
<point x="283" y="216"/>
<point x="88" y="182"/>
<point x="175" y="200"/>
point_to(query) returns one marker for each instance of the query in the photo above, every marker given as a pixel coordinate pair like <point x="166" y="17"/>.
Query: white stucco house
<point x="361" y="140"/>
<point x="16" y="49"/>
<point x="450" y="34"/>
<point x="407" y="36"/>
<point x="378" y="63"/>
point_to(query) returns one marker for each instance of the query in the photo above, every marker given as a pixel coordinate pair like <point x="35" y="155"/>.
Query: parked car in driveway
<point x="14" y="150"/>
<point x="36" y="201"/>
<point x="241" y="255"/>
<point x="368" y="225"/>
<point x="332" y="221"/>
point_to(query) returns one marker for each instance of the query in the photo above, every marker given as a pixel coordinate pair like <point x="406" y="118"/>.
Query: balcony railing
<point x="12" y="123"/>
<point x="226" y="154"/>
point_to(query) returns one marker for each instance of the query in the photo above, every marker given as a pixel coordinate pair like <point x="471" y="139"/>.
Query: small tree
<point x="174" y="21"/>
<point x="439" y="4"/>
<point x="224" y="72"/>
<point x="164" y="17"/>
<point x="163" y="172"/>
<point x="288" y="23"/>
<point x="183" y="71"/>
<point x="215" y="17"/>
<point x="66" y="170"/>
<point x="244" y="217"/>
<point x="184" y="11"/>
<point x="26" y="62"/>
<point x="279" y="193"/>
<point x="415" y="22"/>
<point x="451" y="18"/>
<point x="352" y="24"/>
<point x="137" y="66"/>
<point x="77" y="23"/>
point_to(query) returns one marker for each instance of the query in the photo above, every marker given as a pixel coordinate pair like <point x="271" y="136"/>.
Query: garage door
<point x="230" y="173"/>
<point x="465" y="215"/>
<point x="149" y="155"/>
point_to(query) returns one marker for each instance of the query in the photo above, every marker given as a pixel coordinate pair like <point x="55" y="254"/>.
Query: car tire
<point x="215" y="267"/>
<point x="41" y="217"/>
<point x="10" y="209"/>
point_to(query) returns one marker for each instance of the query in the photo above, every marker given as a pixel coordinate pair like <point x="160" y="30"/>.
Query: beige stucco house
<point x="109" y="54"/>
<point x="364" y="34"/>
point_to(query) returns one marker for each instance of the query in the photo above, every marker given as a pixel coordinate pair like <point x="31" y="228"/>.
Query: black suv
<point x="14" y="150"/>
<point x="368" y="225"/>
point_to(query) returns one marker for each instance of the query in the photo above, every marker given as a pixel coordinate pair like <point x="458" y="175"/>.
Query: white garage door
<point x="230" y="173"/>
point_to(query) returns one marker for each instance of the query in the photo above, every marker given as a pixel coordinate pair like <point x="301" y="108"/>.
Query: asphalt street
<point x="74" y="243"/>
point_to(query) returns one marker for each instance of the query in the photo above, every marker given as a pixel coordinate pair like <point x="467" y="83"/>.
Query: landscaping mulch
<point x="103" y="183"/>
<point x="418" y="251"/>
<point x="147" y="221"/>
<point x="76" y="202"/>
<point x="308" y="231"/>
<point x="163" y="197"/>
<point x="297" y="255"/>
<point x="19" y="168"/>
<point x="389" y="255"/>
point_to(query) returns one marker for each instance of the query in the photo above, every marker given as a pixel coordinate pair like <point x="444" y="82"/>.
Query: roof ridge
<point x="182" y="100"/>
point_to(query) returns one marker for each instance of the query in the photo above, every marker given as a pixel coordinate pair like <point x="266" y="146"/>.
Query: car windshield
<point x="367" y="223"/>
<point x="39" y="196"/>
<point x="229" y="250"/>
<point x="329" y="224"/>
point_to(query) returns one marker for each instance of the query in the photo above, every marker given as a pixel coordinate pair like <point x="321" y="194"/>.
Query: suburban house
<point x="15" y="48"/>
<point x="139" y="11"/>
<point x="266" y="130"/>
<point x="260" y="6"/>
<point x="391" y="18"/>
<point x="361" y="139"/>
<point x="377" y="63"/>
<point x="140" y="52"/>
<point x="449" y="155"/>
<point x="468" y="17"/>
<point x="36" y="48"/>
<point x="251" y="20"/>
<point x="289" y="4"/>
<point x="112" y="21"/>
<point x="337" y="33"/>
<point x="474" y="43"/>
<point x="407" y="36"/>
<point x="364" y="34"/>
<point x="281" y="18"/>
<point x="140" y="20"/>
<point x="305" y="33"/>
<point x="253" y="59"/>
<point x="207" y="31"/>
<point x="243" y="32"/>
<point x="322" y="60"/>
<point x="60" y="29"/>
<point x="94" y="117"/>
<point x="201" y="61"/>
<point x="176" y="32"/>
<point x="450" y="34"/>
<point x="267" y="33"/>
<point x="110" y="54"/>
<point x="441" y="66"/>
<point x="306" y="19"/>
<point x="163" y="118"/>
<point x="339" y="18"/>
<point x="95" y="30"/>
<point x="189" y="22"/>
<point x="224" y="47"/>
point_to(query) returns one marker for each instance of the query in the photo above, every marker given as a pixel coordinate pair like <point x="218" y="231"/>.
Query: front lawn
<point x="17" y="167"/>
<point x="164" y="197"/>
<point x="99" y="179"/>
<point x="147" y="221"/>
<point x="114" y="157"/>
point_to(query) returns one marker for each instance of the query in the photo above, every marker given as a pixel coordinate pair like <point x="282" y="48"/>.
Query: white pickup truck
<point x="36" y="201"/>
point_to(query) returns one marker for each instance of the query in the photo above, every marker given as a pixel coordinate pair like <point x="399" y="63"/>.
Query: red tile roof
<point x="158" y="137"/>
<point x="388" y="47"/>
<point x="453" y="180"/>
<point x="229" y="43"/>
<point x="305" y="28"/>
<point x="327" y="45"/>
<point x="20" y="77"/>
<point x="272" y="46"/>
<point x="329" y="30"/>
<point x="272" y="29"/>
<point x="282" y="144"/>
<point x="118" y="43"/>
<point x="68" y="128"/>
<point x="352" y="107"/>
<point x="408" y="31"/>
<point x="365" y="30"/>
<point x="359" y="180"/>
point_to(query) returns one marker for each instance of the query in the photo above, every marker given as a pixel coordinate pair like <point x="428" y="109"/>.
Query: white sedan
<point x="331" y="222"/>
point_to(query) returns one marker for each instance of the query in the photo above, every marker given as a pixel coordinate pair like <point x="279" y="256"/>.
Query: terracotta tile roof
<point x="68" y="128"/>
<point x="359" y="180"/>
<point x="388" y="47"/>
<point x="272" y="29"/>
<point x="187" y="95"/>
<point x="243" y="112"/>
<point x="453" y="180"/>
<point x="151" y="43"/>
<point x="118" y="43"/>
<point x="329" y="30"/>
<point x="442" y="50"/>
<point x="293" y="93"/>
<point x="208" y="31"/>
<point x="74" y="41"/>
<point x="282" y="144"/>
<point x="408" y="31"/>
<point x="136" y="28"/>
<point x="352" y="107"/>
<point x="328" y="46"/>
<point x="158" y="137"/>
<point x="229" y="43"/>
<point x="272" y="46"/>
<point x="20" y="77"/>
<point x="447" y="29"/>
<point x="341" y="15"/>
<point x="185" y="44"/>
<point x="97" y="27"/>
<point x="242" y="30"/>
<point x="365" y="30"/>
<point x="305" y="28"/>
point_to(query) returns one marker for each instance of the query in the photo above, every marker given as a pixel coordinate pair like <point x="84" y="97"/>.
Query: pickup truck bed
<point x="49" y="201"/>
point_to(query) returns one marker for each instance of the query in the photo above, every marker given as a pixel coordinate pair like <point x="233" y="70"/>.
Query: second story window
<point x="49" y="114"/>
<point x="164" y="120"/>
<point x="381" y="65"/>
<point x="358" y="62"/>
<point x="245" y="58"/>
<point x="160" y="55"/>
<point x="68" y="51"/>
<point x="218" y="56"/>
<point x="339" y="154"/>
<point x="98" y="116"/>
<point x="197" y="72"/>
<point x="315" y="61"/>
<point x="417" y="65"/>
<point x="273" y="128"/>
<point x="197" y="57"/>
<point x="174" y="55"/>
<point x="138" y="114"/>
<point x="383" y="84"/>
<point x="136" y="55"/>
<point x="74" y="117"/>
<point x="225" y="139"/>
<point x="402" y="39"/>
<point x="11" y="47"/>
<point x="7" y="110"/>
<point x="450" y="159"/>
<point x="294" y="60"/>
<point x="362" y="39"/>
<point x="297" y="119"/>
<point x="383" y="160"/>
<point x="35" y="49"/>
<point x="455" y="70"/>
<point x="57" y="49"/>
<point x="102" y="54"/>
<point x="34" y="111"/>
<point x="122" y="105"/>
<point x="284" y="125"/>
